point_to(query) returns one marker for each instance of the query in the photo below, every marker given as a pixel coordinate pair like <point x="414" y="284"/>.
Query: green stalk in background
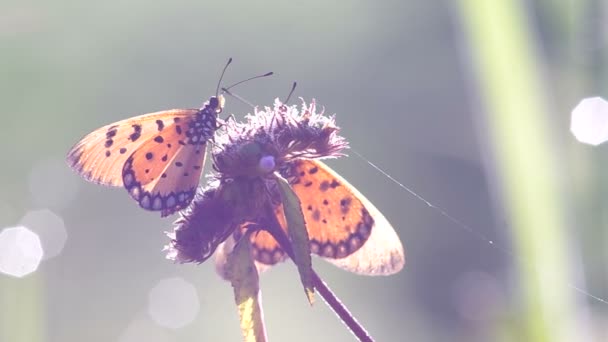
<point x="21" y="309"/>
<point x="507" y="67"/>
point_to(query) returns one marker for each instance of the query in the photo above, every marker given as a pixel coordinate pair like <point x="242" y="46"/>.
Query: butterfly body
<point x="158" y="157"/>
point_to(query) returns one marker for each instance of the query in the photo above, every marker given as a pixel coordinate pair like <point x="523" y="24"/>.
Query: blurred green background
<point x="400" y="77"/>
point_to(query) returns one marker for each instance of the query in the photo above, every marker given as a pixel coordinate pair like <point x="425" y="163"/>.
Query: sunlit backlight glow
<point x="589" y="121"/>
<point x="173" y="303"/>
<point x="20" y="251"/>
<point x="50" y="229"/>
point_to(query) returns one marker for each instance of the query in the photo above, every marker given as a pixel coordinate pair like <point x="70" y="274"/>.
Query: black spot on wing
<point x="160" y="125"/>
<point x="111" y="133"/>
<point x="136" y="132"/>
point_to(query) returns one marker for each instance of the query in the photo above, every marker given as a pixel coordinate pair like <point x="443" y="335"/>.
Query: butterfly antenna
<point x="249" y="79"/>
<point x="225" y="90"/>
<point x="217" y="90"/>
<point x="293" y="88"/>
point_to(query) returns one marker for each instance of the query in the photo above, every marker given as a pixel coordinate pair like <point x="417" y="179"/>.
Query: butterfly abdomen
<point x="202" y="128"/>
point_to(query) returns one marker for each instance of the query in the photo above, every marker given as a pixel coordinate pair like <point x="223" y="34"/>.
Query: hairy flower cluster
<point x="191" y="245"/>
<point x="246" y="156"/>
<point x="282" y="133"/>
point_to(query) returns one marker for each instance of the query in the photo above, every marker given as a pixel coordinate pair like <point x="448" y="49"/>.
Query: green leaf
<point x="243" y="275"/>
<point x="296" y="227"/>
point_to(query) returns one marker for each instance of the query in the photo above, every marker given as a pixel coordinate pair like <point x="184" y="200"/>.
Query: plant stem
<point x="336" y="305"/>
<point x="330" y="298"/>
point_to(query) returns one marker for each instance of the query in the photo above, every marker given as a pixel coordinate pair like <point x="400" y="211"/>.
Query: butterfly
<point x="344" y="227"/>
<point x="158" y="157"/>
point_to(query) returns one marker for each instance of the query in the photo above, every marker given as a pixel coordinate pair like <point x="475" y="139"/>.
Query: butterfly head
<point x="215" y="103"/>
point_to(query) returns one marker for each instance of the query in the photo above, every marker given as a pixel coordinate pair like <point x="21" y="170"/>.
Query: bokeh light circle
<point x="173" y="303"/>
<point x="589" y="121"/>
<point x="20" y="251"/>
<point x="50" y="229"/>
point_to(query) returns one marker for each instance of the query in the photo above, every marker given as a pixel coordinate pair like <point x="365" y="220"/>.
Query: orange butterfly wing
<point x="164" y="176"/>
<point x="157" y="157"/>
<point x="343" y="226"/>
<point x="100" y="156"/>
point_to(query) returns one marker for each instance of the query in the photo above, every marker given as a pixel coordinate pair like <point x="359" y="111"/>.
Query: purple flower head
<point x="189" y="244"/>
<point x="283" y="133"/>
<point x="245" y="156"/>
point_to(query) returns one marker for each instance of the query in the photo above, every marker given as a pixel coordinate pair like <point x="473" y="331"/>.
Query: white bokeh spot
<point x="589" y="121"/>
<point x="50" y="229"/>
<point x="20" y="251"/>
<point x="173" y="303"/>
